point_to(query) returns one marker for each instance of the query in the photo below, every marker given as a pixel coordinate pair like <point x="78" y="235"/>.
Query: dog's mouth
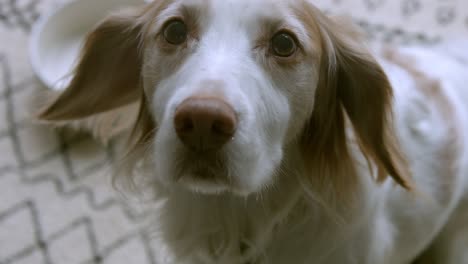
<point x="203" y="173"/>
<point x="204" y="181"/>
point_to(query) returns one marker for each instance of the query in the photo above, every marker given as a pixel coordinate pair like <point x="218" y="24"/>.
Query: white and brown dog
<point x="275" y="137"/>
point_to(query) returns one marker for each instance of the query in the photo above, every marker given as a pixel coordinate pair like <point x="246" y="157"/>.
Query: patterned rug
<point x="56" y="202"/>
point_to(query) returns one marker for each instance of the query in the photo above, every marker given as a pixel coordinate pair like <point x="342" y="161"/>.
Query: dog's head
<point x="226" y="86"/>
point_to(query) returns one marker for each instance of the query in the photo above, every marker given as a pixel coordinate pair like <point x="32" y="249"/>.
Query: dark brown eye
<point x="175" y="32"/>
<point x="283" y="44"/>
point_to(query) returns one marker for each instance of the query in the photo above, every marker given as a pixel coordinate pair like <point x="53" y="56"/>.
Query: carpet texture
<point x="56" y="202"/>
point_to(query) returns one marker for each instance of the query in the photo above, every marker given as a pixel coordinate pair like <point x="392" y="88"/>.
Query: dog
<point x="275" y="135"/>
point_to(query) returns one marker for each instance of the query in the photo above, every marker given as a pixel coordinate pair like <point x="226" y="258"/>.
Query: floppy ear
<point x="353" y="89"/>
<point x="108" y="73"/>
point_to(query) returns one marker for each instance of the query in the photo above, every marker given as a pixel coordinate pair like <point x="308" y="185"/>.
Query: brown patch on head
<point x="353" y="87"/>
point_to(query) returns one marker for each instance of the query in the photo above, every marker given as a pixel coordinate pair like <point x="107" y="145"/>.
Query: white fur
<point x="267" y="210"/>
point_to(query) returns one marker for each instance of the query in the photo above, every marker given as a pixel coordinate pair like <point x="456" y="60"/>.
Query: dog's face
<point x="226" y="81"/>
<point x="228" y="86"/>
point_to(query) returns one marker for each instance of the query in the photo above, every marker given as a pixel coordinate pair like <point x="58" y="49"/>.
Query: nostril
<point x="223" y="127"/>
<point x="184" y="124"/>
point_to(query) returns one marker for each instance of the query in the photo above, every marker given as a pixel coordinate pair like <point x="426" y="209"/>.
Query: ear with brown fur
<point x="352" y="87"/>
<point x="108" y="73"/>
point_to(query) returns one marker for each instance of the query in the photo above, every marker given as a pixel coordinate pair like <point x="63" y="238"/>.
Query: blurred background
<point x="56" y="202"/>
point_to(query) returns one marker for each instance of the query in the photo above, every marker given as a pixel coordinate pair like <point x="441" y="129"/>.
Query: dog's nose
<point x="205" y="124"/>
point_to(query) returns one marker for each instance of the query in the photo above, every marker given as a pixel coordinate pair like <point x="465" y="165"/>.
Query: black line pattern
<point x="410" y="7"/>
<point x="18" y="14"/>
<point x="73" y="182"/>
<point x="428" y="15"/>
<point x="373" y="4"/>
<point x="54" y="184"/>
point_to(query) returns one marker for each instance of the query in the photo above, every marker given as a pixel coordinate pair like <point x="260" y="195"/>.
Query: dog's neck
<point x="227" y="226"/>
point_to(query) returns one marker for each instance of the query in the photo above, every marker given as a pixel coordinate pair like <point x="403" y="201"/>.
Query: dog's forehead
<point x="239" y="11"/>
<point x="249" y="10"/>
<point x="241" y="8"/>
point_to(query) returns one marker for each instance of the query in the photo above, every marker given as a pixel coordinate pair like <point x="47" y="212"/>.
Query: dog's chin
<point x="196" y="184"/>
<point x="202" y="186"/>
<point x="210" y="182"/>
<point x="213" y="174"/>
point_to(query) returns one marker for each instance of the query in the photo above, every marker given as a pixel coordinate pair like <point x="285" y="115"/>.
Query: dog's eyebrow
<point x="268" y="27"/>
<point x="271" y="25"/>
<point x="194" y="10"/>
<point x="190" y="11"/>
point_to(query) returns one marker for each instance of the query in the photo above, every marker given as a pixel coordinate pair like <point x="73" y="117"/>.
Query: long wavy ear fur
<point x="106" y="90"/>
<point x="108" y="72"/>
<point x="353" y="89"/>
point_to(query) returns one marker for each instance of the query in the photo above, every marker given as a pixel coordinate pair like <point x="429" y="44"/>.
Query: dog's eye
<point x="283" y="44"/>
<point x="175" y="32"/>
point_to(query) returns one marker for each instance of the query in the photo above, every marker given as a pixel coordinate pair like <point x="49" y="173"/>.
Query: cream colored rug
<point x="56" y="203"/>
